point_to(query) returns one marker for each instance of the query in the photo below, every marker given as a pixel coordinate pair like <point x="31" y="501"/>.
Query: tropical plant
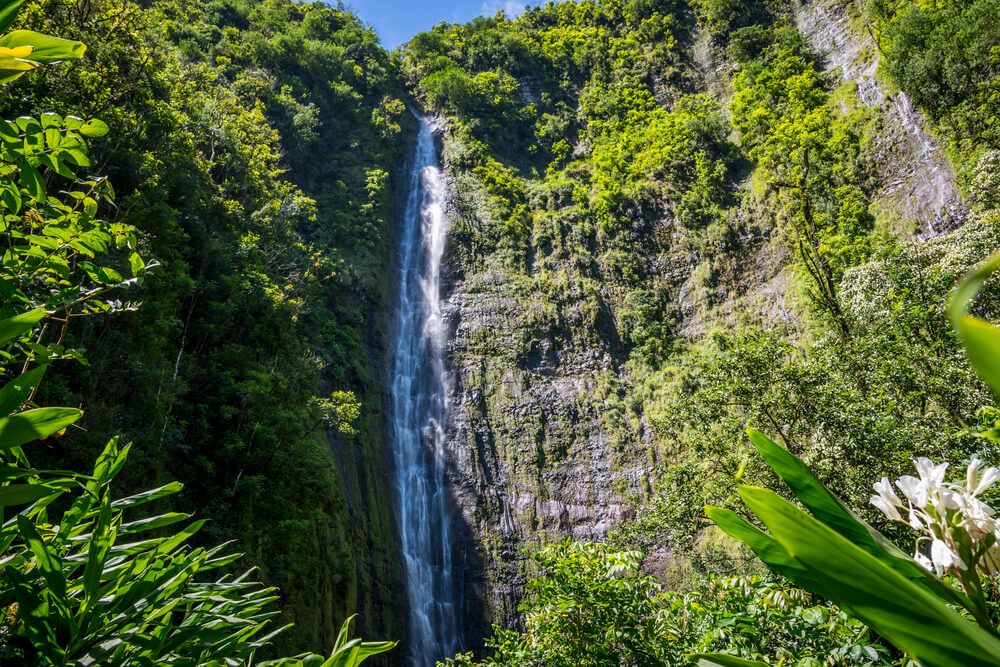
<point x="24" y="50"/>
<point x="88" y="585"/>
<point x="832" y="552"/>
<point x="95" y="584"/>
<point x="346" y="652"/>
<point x="958" y="530"/>
<point x="84" y="579"/>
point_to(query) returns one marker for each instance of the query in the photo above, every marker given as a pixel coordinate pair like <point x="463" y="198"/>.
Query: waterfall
<point x="419" y="405"/>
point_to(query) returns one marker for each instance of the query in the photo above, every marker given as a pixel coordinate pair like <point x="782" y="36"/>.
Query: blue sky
<point x="396" y="21"/>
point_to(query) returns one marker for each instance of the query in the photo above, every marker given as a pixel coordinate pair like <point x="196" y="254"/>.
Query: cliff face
<point x="917" y="185"/>
<point x="550" y="430"/>
<point x="536" y="456"/>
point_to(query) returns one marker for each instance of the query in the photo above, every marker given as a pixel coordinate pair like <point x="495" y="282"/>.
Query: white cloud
<point x="511" y="8"/>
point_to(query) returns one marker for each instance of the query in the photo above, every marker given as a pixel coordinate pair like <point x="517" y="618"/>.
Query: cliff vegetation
<point x="716" y="271"/>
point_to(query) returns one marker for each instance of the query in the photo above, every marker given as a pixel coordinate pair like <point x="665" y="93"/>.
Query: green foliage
<point x="808" y="154"/>
<point x="340" y="411"/>
<point x="52" y="241"/>
<point x="271" y="262"/>
<point x="88" y="584"/>
<point x="79" y="582"/>
<point x="346" y="652"/>
<point x="755" y="618"/>
<point x="592" y="605"/>
<point x="722" y="18"/>
<point x="195" y="156"/>
<point x="945" y="56"/>
<point x="678" y="158"/>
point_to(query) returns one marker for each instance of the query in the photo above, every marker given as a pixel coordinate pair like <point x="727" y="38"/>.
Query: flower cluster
<point x="959" y="531"/>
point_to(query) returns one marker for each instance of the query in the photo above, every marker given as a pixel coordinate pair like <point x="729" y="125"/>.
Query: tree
<point x="80" y="580"/>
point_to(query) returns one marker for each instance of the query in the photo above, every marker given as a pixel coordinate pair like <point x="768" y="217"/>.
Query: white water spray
<point x="419" y="406"/>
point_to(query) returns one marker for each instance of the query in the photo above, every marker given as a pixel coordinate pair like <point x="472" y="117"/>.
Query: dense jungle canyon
<point x="464" y="337"/>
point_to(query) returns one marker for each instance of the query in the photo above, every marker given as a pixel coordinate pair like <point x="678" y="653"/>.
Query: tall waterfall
<point x="419" y="405"/>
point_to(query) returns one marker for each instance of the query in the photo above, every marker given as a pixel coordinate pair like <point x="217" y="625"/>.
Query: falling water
<point x="419" y="406"/>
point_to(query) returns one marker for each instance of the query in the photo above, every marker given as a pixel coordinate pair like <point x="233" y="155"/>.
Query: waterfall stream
<point x="419" y="404"/>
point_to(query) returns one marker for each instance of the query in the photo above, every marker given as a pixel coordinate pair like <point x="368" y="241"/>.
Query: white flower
<point x="991" y="560"/>
<point x="946" y="514"/>
<point x="910" y="487"/>
<point x="978" y="518"/>
<point x="887" y="507"/>
<point x="977" y="483"/>
<point x="943" y="500"/>
<point x="929" y="472"/>
<point x="886" y="499"/>
<point x="923" y="561"/>
<point x="944" y="557"/>
<point x="883" y="487"/>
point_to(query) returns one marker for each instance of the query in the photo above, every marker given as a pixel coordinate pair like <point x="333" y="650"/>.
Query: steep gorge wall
<point x="916" y="185"/>
<point x="535" y="454"/>
<point x="548" y="435"/>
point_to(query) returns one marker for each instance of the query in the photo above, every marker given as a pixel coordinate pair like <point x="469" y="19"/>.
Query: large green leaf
<point x="904" y="613"/>
<point x="981" y="339"/>
<point x="351" y="653"/>
<point x="810" y="491"/>
<point x="12" y="327"/>
<point x="982" y="344"/>
<point x="25" y="427"/>
<point x="148" y="496"/>
<point x="763" y="545"/>
<point x="45" y="560"/>
<point x="153" y="522"/>
<point x="8" y="12"/>
<point x="20" y="494"/>
<point x="180" y="537"/>
<point x="829" y="509"/>
<point x="16" y="392"/>
<point x="94" y="128"/>
<point x="101" y="541"/>
<point x="32" y="181"/>
<point x="37" y="610"/>
<point x="110" y="459"/>
<point x="366" y="650"/>
<point x="44" y="48"/>
<point x="346" y="652"/>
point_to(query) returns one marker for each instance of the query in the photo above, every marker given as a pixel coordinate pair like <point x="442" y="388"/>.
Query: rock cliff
<point x="548" y="435"/>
